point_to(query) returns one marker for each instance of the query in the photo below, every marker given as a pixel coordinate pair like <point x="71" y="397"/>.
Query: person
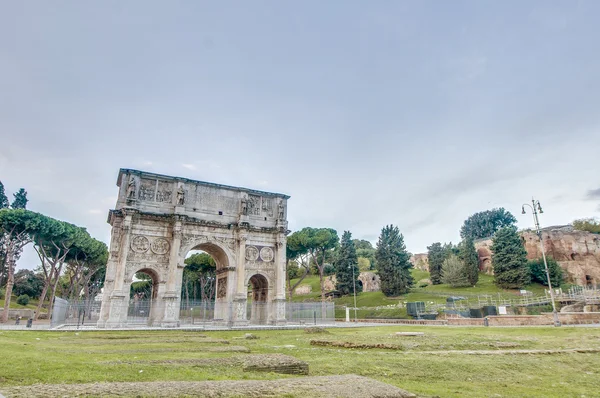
<point x="18" y="321"/>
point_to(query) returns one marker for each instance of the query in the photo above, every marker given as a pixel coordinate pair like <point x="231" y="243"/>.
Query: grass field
<point x="430" y="294"/>
<point x="425" y="365"/>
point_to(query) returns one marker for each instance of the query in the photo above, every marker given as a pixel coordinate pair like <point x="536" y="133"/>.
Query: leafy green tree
<point x="436" y="255"/>
<point x="366" y="253"/>
<point x="297" y="260"/>
<point x="201" y="273"/>
<point x="20" y="201"/>
<point x="468" y="255"/>
<point x="454" y="272"/>
<point x="393" y="262"/>
<point x="346" y="266"/>
<point x="538" y="272"/>
<point x="486" y="223"/>
<point x="509" y="259"/>
<point x="320" y="243"/>
<point x="17" y="227"/>
<point x="3" y="198"/>
<point x="29" y="283"/>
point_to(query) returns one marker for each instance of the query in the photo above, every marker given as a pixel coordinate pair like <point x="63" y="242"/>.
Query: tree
<point x="296" y="255"/>
<point x="509" y="259"/>
<point x="20" y="201"/>
<point x="486" y="223"/>
<point x="320" y="242"/>
<point x="454" y="272"/>
<point x="538" y="272"/>
<point x="366" y="254"/>
<point x="436" y="255"/>
<point x="17" y="227"/>
<point x="346" y="266"/>
<point x="201" y="272"/>
<point x="468" y="255"/>
<point x="393" y="262"/>
<point x="3" y="198"/>
<point x="29" y="283"/>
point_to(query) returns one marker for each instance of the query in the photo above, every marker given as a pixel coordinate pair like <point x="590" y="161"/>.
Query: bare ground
<point x="305" y="387"/>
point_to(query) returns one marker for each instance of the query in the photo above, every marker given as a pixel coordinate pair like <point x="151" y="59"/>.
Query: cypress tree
<point x="436" y="255"/>
<point x="347" y="266"/>
<point x="509" y="259"/>
<point x="393" y="262"/>
<point x="470" y="259"/>
<point x="3" y="198"/>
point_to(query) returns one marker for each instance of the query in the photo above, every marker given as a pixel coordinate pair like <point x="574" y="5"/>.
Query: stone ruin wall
<point x="577" y="252"/>
<point x="370" y="282"/>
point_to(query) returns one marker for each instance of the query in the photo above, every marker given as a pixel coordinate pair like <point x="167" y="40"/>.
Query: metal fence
<point x="193" y="313"/>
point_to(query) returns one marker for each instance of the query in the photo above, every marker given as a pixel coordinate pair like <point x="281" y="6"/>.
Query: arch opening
<point x="258" y="296"/>
<point x="143" y="295"/>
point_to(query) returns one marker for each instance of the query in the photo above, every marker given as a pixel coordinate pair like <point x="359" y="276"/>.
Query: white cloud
<point x="188" y="166"/>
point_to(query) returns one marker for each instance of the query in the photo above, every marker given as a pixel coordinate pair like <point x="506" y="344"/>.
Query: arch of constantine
<point x="158" y="219"/>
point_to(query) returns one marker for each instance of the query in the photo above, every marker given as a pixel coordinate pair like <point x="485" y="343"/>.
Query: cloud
<point x="188" y="166"/>
<point x="95" y="211"/>
<point x="593" y="194"/>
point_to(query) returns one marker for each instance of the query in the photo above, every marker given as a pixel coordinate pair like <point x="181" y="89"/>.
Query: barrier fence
<point x="193" y="313"/>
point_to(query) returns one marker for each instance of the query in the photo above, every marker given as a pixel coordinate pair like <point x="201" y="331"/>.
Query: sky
<point x="416" y="114"/>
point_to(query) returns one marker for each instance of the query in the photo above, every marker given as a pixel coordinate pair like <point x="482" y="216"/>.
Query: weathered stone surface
<point x="345" y="386"/>
<point x="158" y="219"/>
<point x="276" y="363"/>
<point x="370" y="282"/>
<point x="303" y="289"/>
<point x="347" y="344"/>
<point x="420" y="261"/>
<point x="577" y="252"/>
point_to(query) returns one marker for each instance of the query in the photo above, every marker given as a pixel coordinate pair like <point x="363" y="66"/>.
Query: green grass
<point x="87" y="357"/>
<point x="431" y="294"/>
<point x="14" y="305"/>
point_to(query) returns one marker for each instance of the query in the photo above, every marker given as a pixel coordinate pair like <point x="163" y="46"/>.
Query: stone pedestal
<point x="279" y="309"/>
<point x="119" y="304"/>
<point x="240" y="311"/>
<point x="170" y="303"/>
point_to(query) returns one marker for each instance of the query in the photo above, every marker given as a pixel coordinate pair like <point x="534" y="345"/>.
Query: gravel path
<point x="304" y="387"/>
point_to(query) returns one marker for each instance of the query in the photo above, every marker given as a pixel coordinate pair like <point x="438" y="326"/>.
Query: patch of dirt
<point x="315" y="330"/>
<point x="346" y="344"/>
<point x="225" y="348"/>
<point x="277" y="363"/>
<point x="304" y="387"/>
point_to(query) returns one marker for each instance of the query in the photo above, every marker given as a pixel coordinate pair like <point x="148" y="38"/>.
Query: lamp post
<point x="354" y="284"/>
<point x="537" y="208"/>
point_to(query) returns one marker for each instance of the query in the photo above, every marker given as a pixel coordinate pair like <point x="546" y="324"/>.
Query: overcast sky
<point x="366" y="112"/>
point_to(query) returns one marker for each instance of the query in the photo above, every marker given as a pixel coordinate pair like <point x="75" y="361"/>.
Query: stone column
<point x="119" y="299"/>
<point x="170" y="299"/>
<point x="278" y="307"/>
<point x="240" y="300"/>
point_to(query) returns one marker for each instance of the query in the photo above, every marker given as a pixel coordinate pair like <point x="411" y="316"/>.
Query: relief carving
<point x="222" y="289"/>
<point x="251" y="253"/>
<point x="164" y="192"/>
<point x="266" y="254"/>
<point x="131" y="188"/>
<point x="180" y="196"/>
<point x="254" y="205"/>
<point x="160" y="246"/>
<point x="146" y="192"/>
<point x="140" y="244"/>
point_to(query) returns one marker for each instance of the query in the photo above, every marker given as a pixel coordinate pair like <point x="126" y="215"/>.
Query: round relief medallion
<point x="266" y="253"/>
<point x="251" y="253"/>
<point x="160" y="246"/>
<point x="140" y="244"/>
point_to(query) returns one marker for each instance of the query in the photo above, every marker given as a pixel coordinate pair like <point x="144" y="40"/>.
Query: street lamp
<point x="537" y="208"/>
<point x="354" y="283"/>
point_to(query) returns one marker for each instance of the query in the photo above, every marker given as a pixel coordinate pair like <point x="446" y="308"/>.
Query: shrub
<point x="538" y="272"/>
<point x="453" y="272"/>
<point x="23" y="299"/>
<point x="329" y="269"/>
<point x="587" y="224"/>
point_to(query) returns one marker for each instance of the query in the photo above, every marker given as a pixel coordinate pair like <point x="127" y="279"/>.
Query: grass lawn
<point x="429" y="294"/>
<point x="13" y="304"/>
<point x="423" y="364"/>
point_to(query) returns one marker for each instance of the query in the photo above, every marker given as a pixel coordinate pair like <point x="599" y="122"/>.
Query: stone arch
<point x="145" y="309"/>
<point x="218" y="250"/>
<point x="260" y="298"/>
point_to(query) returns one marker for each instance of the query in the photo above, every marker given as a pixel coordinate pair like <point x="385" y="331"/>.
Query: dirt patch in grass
<point x="347" y="344"/>
<point x="225" y="348"/>
<point x="305" y="387"/>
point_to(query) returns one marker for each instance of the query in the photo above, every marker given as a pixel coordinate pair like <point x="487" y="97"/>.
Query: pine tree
<point x="468" y="255"/>
<point x="21" y="200"/>
<point x="436" y="255"/>
<point x="346" y="267"/>
<point x="393" y="262"/>
<point x="509" y="259"/>
<point x="453" y="272"/>
<point x="3" y="198"/>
